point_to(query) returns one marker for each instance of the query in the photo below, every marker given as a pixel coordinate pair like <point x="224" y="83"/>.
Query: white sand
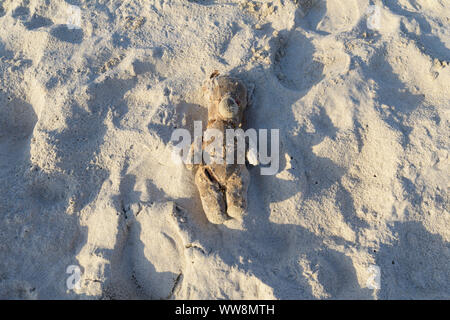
<point x="86" y="117"/>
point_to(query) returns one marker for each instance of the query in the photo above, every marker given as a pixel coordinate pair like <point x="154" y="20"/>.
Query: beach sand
<point x="92" y="207"/>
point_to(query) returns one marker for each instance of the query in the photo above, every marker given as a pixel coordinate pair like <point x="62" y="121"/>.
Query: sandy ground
<point x="88" y="106"/>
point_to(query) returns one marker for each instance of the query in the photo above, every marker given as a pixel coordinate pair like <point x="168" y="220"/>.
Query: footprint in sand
<point x="301" y="62"/>
<point x="17" y="118"/>
<point x="64" y="33"/>
<point x="21" y="13"/>
<point x="154" y="251"/>
<point x="37" y="22"/>
<point x="294" y="62"/>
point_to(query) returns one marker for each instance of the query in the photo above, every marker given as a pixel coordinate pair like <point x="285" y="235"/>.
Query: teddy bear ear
<point x="214" y="74"/>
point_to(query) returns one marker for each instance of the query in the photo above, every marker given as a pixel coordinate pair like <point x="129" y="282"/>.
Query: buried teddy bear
<point x="221" y="175"/>
<point x="223" y="186"/>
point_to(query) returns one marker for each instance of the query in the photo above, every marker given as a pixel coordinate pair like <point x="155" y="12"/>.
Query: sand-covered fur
<point x="223" y="186"/>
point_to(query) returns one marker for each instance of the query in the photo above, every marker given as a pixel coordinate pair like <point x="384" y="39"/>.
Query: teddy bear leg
<point x="212" y="196"/>
<point x="236" y="193"/>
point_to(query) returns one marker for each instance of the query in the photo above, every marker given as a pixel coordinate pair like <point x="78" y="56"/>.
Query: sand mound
<point x="91" y="91"/>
